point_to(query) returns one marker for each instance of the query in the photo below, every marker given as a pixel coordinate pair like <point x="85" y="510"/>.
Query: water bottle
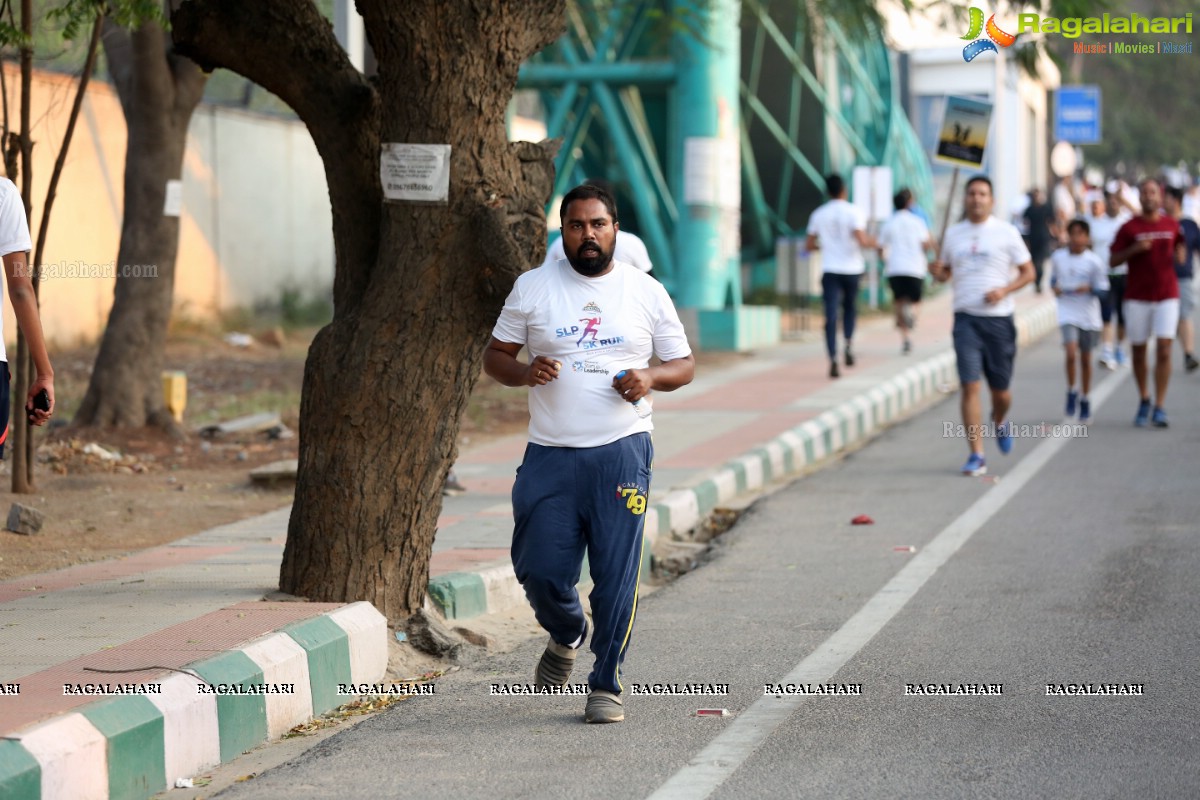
<point x="641" y="407"/>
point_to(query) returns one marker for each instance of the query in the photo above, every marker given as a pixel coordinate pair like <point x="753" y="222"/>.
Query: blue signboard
<point x="1077" y="114"/>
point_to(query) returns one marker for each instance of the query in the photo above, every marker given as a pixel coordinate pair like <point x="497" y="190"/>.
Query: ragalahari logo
<point x="995" y="36"/>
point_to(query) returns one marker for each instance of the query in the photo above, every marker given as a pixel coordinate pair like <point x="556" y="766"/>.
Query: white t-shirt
<point x="834" y="225"/>
<point x="14" y="236"/>
<point x="983" y="257"/>
<point x="596" y="327"/>
<point x="628" y="248"/>
<point x="1104" y="229"/>
<point x="1071" y="271"/>
<point x="903" y="239"/>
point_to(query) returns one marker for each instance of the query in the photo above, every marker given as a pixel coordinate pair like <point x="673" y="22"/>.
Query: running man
<point x="988" y="261"/>
<point x="1148" y="242"/>
<point x="904" y="241"/>
<point x="1079" y="279"/>
<point x="584" y="481"/>
<point x="1184" y="262"/>
<point x="1104" y="225"/>
<point x="839" y="231"/>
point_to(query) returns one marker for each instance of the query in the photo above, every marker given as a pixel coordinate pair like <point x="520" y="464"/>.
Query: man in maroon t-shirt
<point x="1148" y="242"/>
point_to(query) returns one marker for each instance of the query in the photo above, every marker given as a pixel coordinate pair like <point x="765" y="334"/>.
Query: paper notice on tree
<point x="173" y="206"/>
<point x="415" y="173"/>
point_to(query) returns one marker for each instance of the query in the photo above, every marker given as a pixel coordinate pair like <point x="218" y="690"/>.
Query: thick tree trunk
<point x="418" y="287"/>
<point x="158" y="90"/>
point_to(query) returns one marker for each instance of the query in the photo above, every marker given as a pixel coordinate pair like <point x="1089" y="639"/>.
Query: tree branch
<point x="288" y="48"/>
<point x="118" y="50"/>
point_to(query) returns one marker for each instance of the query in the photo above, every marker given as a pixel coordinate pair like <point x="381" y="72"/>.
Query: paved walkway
<point x="759" y="418"/>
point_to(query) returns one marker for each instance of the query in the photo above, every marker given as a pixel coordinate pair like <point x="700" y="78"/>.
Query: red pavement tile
<point x="737" y="442"/>
<point x="446" y="520"/>
<point x="465" y="559"/>
<point x="145" y="561"/>
<point x="42" y="692"/>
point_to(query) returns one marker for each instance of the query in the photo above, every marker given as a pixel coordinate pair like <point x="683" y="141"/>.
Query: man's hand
<point x="543" y="370"/>
<point x="38" y="416"/>
<point x="634" y="384"/>
<point x="995" y="295"/>
<point x="940" y="271"/>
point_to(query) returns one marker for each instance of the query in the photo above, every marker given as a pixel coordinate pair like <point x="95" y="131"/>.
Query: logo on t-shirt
<point x="591" y="308"/>
<point x="589" y="367"/>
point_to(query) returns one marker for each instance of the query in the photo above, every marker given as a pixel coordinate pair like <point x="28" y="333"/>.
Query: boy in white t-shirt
<point x="14" y="247"/>
<point x="1079" y="279"/>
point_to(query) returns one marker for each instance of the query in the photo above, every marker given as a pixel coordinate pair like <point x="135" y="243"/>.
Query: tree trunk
<point x="158" y="90"/>
<point x="417" y="287"/>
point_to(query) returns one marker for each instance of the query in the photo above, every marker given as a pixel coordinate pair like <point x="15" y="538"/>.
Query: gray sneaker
<point x="554" y="667"/>
<point x="603" y="707"/>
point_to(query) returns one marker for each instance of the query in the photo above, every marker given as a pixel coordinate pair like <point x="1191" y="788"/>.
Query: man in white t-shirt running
<point x="904" y="241"/>
<point x="839" y="231"/>
<point x="1079" y="279"/>
<point x="15" y="246"/>
<point x="1104" y="223"/>
<point x="591" y="324"/>
<point x="988" y="261"/>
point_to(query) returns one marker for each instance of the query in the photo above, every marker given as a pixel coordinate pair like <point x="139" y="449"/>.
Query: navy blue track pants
<point x="568" y="501"/>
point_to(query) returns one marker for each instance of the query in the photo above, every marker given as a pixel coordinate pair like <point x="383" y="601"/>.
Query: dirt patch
<point x="106" y="493"/>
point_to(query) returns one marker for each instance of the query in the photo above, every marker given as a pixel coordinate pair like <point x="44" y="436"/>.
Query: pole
<point x="946" y="214"/>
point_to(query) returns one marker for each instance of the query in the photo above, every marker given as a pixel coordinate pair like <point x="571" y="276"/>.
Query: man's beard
<point x="588" y="262"/>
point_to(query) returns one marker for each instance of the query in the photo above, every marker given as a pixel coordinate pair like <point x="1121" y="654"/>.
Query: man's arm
<point x="1025" y="275"/>
<point x="864" y="240"/>
<point x="24" y="303"/>
<point x="1118" y="257"/>
<point x="811" y="243"/>
<point x="665" y="377"/>
<point x="500" y="362"/>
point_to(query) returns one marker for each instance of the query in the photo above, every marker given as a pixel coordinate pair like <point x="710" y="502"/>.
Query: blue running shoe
<point x="1159" y="418"/>
<point x="1085" y="410"/>
<point x="976" y="465"/>
<point x="1072" y="401"/>
<point x="1004" y="439"/>
<point x="1119" y="356"/>
<point x="1143" y="414"/>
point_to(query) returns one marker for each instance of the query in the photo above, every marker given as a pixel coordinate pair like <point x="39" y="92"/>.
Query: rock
<point x="24" y="520"/>
<point x="277" y="472"/>
<point x="273" y="337"/>
<point x="430" y="635"/>
<point x="248" y="424"/>
<point x="474" y="637"/>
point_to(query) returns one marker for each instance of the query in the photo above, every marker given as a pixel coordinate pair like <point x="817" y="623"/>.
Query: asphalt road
<point x="1076" y="567"/>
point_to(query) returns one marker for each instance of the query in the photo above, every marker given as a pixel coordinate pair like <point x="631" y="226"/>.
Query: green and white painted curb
<point x="129" y="748"/>
<point x="459" y="595"/>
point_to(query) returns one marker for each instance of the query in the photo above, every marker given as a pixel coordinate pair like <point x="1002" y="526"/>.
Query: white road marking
<point x="724" y="754"/>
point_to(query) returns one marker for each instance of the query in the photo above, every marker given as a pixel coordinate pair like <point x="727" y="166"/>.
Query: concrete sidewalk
<point x="191" y="614"/>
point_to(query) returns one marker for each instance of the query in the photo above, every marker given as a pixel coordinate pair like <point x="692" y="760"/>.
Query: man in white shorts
<point x="1149" y="242"/>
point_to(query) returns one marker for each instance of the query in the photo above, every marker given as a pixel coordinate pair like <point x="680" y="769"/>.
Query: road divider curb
<point x="137" y="745"/>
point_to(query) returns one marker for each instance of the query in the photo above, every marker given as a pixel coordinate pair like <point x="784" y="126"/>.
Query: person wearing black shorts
<point x="904" y="241"/>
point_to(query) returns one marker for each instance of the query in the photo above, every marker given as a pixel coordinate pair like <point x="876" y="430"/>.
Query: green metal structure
<point x="636" y="94"/>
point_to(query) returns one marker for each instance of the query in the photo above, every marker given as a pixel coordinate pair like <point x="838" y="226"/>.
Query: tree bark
<point x="158" y="90"/>
<point x="417" y="287"/>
